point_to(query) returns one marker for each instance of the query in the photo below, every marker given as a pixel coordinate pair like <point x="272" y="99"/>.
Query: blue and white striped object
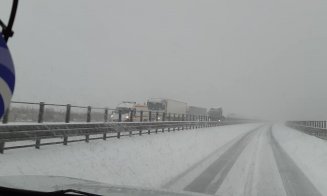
<point x="7" y="76"/>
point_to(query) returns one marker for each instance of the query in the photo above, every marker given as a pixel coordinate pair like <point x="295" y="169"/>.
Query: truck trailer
<point x="197" y="111"/>
<point x="167" y="106"/>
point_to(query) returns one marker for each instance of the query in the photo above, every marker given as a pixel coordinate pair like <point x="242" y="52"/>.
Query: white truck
<point x="167" y="106"/>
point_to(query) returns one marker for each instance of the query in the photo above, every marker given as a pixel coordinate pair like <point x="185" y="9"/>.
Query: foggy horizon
<point x="205" y="53"/>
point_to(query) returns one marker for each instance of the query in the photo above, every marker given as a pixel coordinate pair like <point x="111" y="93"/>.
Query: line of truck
<point x="161" y="105"/>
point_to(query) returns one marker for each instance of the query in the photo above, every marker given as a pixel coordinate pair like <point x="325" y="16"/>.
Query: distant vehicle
<point x="167" y="106"/>
<point x="124" y="108"/>
<point x="197" y="111"/>
<point x="215" y="114"/>
<point x="130" y="112"/>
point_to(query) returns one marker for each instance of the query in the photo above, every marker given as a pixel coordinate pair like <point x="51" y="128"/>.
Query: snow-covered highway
<point x="248" y="159"/>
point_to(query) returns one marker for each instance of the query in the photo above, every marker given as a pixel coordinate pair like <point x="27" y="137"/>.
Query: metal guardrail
<point x="38" y="132"/>
<point x="28" y="112"/>
<point x="315" y="128"/>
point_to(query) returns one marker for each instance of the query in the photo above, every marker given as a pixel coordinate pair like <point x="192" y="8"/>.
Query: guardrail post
<point x="178" y="125"/>
<point x="88" y="116"/>
<point x="106" y="115"/>
<point x="119" y="115"/>
<point x="104" y="136"/>
<point x="41" y="113"/>
<point x="2" y="147"/>
<point x="38" y="143"/>
<point x="197" y="122"/>
<point x="5" y="118"/>
<point x="157" y="116"/>
<point x="183" y="120"/>
<point x="150" y="116"/>
<point x="168" y="120"/>
<point x="141" y="116"/>
<point x="118" y="134"/>
<point x="163" y="120"/>
<point x="65" y="142"/>
<point x="174" y="119"/>
<point x="67" y="117"/>
<point x="87" y="138"/>
<point x="131" y="116"/>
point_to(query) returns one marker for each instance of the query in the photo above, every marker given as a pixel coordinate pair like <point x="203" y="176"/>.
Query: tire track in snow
<point x="210" y="180"/>
<point x="294" y="180"/>
<point x="182" y="175"/>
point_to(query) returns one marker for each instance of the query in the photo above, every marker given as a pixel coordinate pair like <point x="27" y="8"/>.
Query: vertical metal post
<point x="119" y="116"/>
<point x="106" y="115"/>
<point x="168" y="120"/>
<point x="41" y="113"/>
<point x="65" y="140"/>
<point x="178" y="125"/>
<point x="2" y="147"/>
<point x="150" y="116"/>
<point x="87" y="138"/>
<point x="5" y="118"/>
<point x="38" y="143"/>
<point x="174" y="120"/>
<point x="141" y="116"/>
<point x="183" y="120"/>
<point x="88" y="114"/>
<point x="131" y="116"/>
<point x="67" y="117"/>
<point x="163" y="119"/>
<point x="157" y="116"/>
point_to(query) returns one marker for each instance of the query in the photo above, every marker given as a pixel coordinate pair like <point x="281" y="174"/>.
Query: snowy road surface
<point x="249" y="159"/>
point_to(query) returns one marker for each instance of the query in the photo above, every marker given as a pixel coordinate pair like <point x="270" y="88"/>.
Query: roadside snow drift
<point x="146" y="161"/>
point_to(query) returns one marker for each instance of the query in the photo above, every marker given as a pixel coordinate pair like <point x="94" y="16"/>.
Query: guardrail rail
<point x="67" y="133"/>
<point x="315" y="128"/>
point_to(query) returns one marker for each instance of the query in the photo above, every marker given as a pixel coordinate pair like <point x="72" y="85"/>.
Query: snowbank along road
<point x="249" y="159"/>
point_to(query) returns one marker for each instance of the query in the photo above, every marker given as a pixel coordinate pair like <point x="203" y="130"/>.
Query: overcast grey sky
<point x="252" y="57"/>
